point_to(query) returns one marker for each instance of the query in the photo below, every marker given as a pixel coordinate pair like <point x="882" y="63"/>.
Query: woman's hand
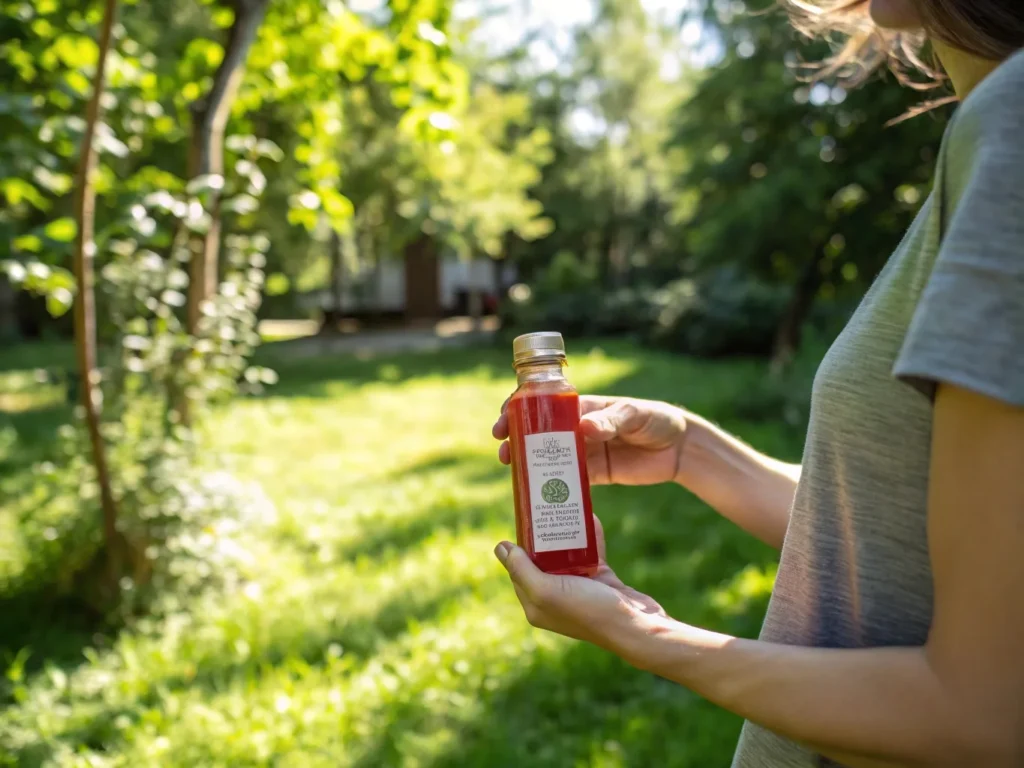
<point x="643" y="442"/>
<point x="600" y="610"/>
<point x="629" y="441"/>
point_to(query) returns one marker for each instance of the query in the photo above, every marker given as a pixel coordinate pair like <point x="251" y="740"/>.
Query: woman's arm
<point x="957" y="701"/>
<point x="752" y="490"/>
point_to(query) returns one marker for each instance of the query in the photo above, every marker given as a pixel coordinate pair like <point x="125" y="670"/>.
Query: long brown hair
<point x="990" y="29"/>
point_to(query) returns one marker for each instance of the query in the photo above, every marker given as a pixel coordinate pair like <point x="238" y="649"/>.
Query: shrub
<point x="176" y="522"/>
<point x="723" y="313"/>
<point x="717" y="314"/>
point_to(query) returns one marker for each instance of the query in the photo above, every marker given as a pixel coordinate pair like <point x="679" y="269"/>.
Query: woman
<point x="895" y="633"/>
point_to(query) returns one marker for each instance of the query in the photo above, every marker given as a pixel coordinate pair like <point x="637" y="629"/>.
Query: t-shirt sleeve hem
<point x="968" y="330"/>
<point x="926" y="380"/>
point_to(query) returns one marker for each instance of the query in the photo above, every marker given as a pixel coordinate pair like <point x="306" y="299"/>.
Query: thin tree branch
<point x="85" y="306"/>
<point x="206" y="152"/>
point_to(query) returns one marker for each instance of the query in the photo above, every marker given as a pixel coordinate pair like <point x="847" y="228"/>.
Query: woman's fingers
<point x="597" y="463"/>
<point x="505" y="453"/>
<point x="621" y="418"/>
<point x="500" y="428"/>
<point x="602" y="547"/>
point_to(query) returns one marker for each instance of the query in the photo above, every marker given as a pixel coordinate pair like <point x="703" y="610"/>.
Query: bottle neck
<point x="540" y="370"/>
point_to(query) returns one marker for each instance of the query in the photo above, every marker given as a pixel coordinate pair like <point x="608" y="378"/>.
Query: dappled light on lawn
<point x="372" y="626"/>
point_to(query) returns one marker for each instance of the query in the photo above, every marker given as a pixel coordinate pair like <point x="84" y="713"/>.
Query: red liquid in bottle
<point x="554" y="516"/>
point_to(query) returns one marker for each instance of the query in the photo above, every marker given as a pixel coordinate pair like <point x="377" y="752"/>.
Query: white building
<point x="419" y="286"/>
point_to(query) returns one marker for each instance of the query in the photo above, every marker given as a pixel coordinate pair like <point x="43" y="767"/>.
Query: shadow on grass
<point x="34" y="430"/>
<point x="29" y="620"/>
<point x="579" y="707"/>
<point x="575" y="709"/>
<point x="583" y="706"/>
<point x="359" y="638"/>
<point x="49" y="355"/>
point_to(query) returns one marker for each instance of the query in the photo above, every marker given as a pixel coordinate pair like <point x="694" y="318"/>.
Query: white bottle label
<point x="556" y="498"/>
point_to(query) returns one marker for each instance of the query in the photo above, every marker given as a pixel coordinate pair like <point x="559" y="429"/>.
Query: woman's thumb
<point x="518" y="564"/>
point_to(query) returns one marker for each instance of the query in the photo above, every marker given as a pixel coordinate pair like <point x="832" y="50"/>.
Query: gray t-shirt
<point x="948" y="307"/>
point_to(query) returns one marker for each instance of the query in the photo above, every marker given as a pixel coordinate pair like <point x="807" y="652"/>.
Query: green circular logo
<point x="555" y="491"/>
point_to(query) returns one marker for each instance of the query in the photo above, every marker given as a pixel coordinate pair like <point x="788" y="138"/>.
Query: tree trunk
<point x="498" y="278"/>
<point x="8" y="313"/>
<point x="606" y="245"/>
<point x="790" y="330"/>
<point x="377" y="275"/>
<point x="422" y="280"/>
<point x="618" y="258"/>
<point x="333" y="313"/>
<point x="206" y="147"/>
<point x="476" y="300"/>
<point x="85" y="305"/>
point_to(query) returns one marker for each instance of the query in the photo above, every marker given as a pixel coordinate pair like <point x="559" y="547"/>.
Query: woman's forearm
<point x="745" y="486"/>
<point x="873" y="708"/>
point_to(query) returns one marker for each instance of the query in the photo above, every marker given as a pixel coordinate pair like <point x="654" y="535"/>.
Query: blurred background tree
<point x="802" y="184"/>
<point x="648" y="146"/>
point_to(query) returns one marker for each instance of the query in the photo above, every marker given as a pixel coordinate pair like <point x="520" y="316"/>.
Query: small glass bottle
<point x="554" y="516"/>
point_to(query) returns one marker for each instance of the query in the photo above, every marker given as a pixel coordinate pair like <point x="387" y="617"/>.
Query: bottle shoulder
<point x="556" y="388"/>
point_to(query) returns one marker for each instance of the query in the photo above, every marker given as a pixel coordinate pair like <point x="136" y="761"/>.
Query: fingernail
<point x="501" y="551"/>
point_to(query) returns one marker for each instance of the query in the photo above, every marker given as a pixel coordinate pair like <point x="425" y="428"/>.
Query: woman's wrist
<point x="660" y="645"/>
<point x="699" y="452"/>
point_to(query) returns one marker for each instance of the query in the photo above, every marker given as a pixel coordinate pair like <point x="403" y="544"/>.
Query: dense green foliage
<point x="800" y="190"/>
<point x="646" y="158"/>
<point x="372" y="625"/>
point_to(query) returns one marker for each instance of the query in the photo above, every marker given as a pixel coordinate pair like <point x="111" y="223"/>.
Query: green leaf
<point x="16" y="670"/>
<point x="18" y="191"/>
<point x="136" y="342"/>
<point x="62" y="230"/>
<point x="15" y="272"/>
<point x="173" y="298"/>
<point x="205" y="183"/>
<point x="29" y="243"/>
<point x="336" y="205"/>
<point x="270" y="150"/>
<point x="57" y="183"/>
<point x="241" y="204"/>
<point x="240" y="143"/>
<point x="78" y="82"/>
<point x="205" y="50"/>
<point x="222" y="18"/>
<point x="302" y="217"/>
<point x="277" y="284"/>
<point x="58" y="302"/>
<point x="76" y="51"/>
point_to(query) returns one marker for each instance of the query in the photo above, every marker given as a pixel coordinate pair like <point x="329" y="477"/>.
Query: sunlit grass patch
<point x="373" y="626"/>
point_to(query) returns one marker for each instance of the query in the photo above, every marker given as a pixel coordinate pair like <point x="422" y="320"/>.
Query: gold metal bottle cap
<point x="534" y="346"/>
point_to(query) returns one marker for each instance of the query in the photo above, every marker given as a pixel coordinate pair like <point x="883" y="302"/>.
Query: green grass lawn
<point x="376" y="628"/>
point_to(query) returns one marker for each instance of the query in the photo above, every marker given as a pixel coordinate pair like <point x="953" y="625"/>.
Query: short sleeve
<point x="968" y="327"/>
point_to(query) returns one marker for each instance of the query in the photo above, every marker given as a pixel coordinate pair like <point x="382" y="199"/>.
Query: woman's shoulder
<point x="985" y="139"/>
<point x="995" y="109"/>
